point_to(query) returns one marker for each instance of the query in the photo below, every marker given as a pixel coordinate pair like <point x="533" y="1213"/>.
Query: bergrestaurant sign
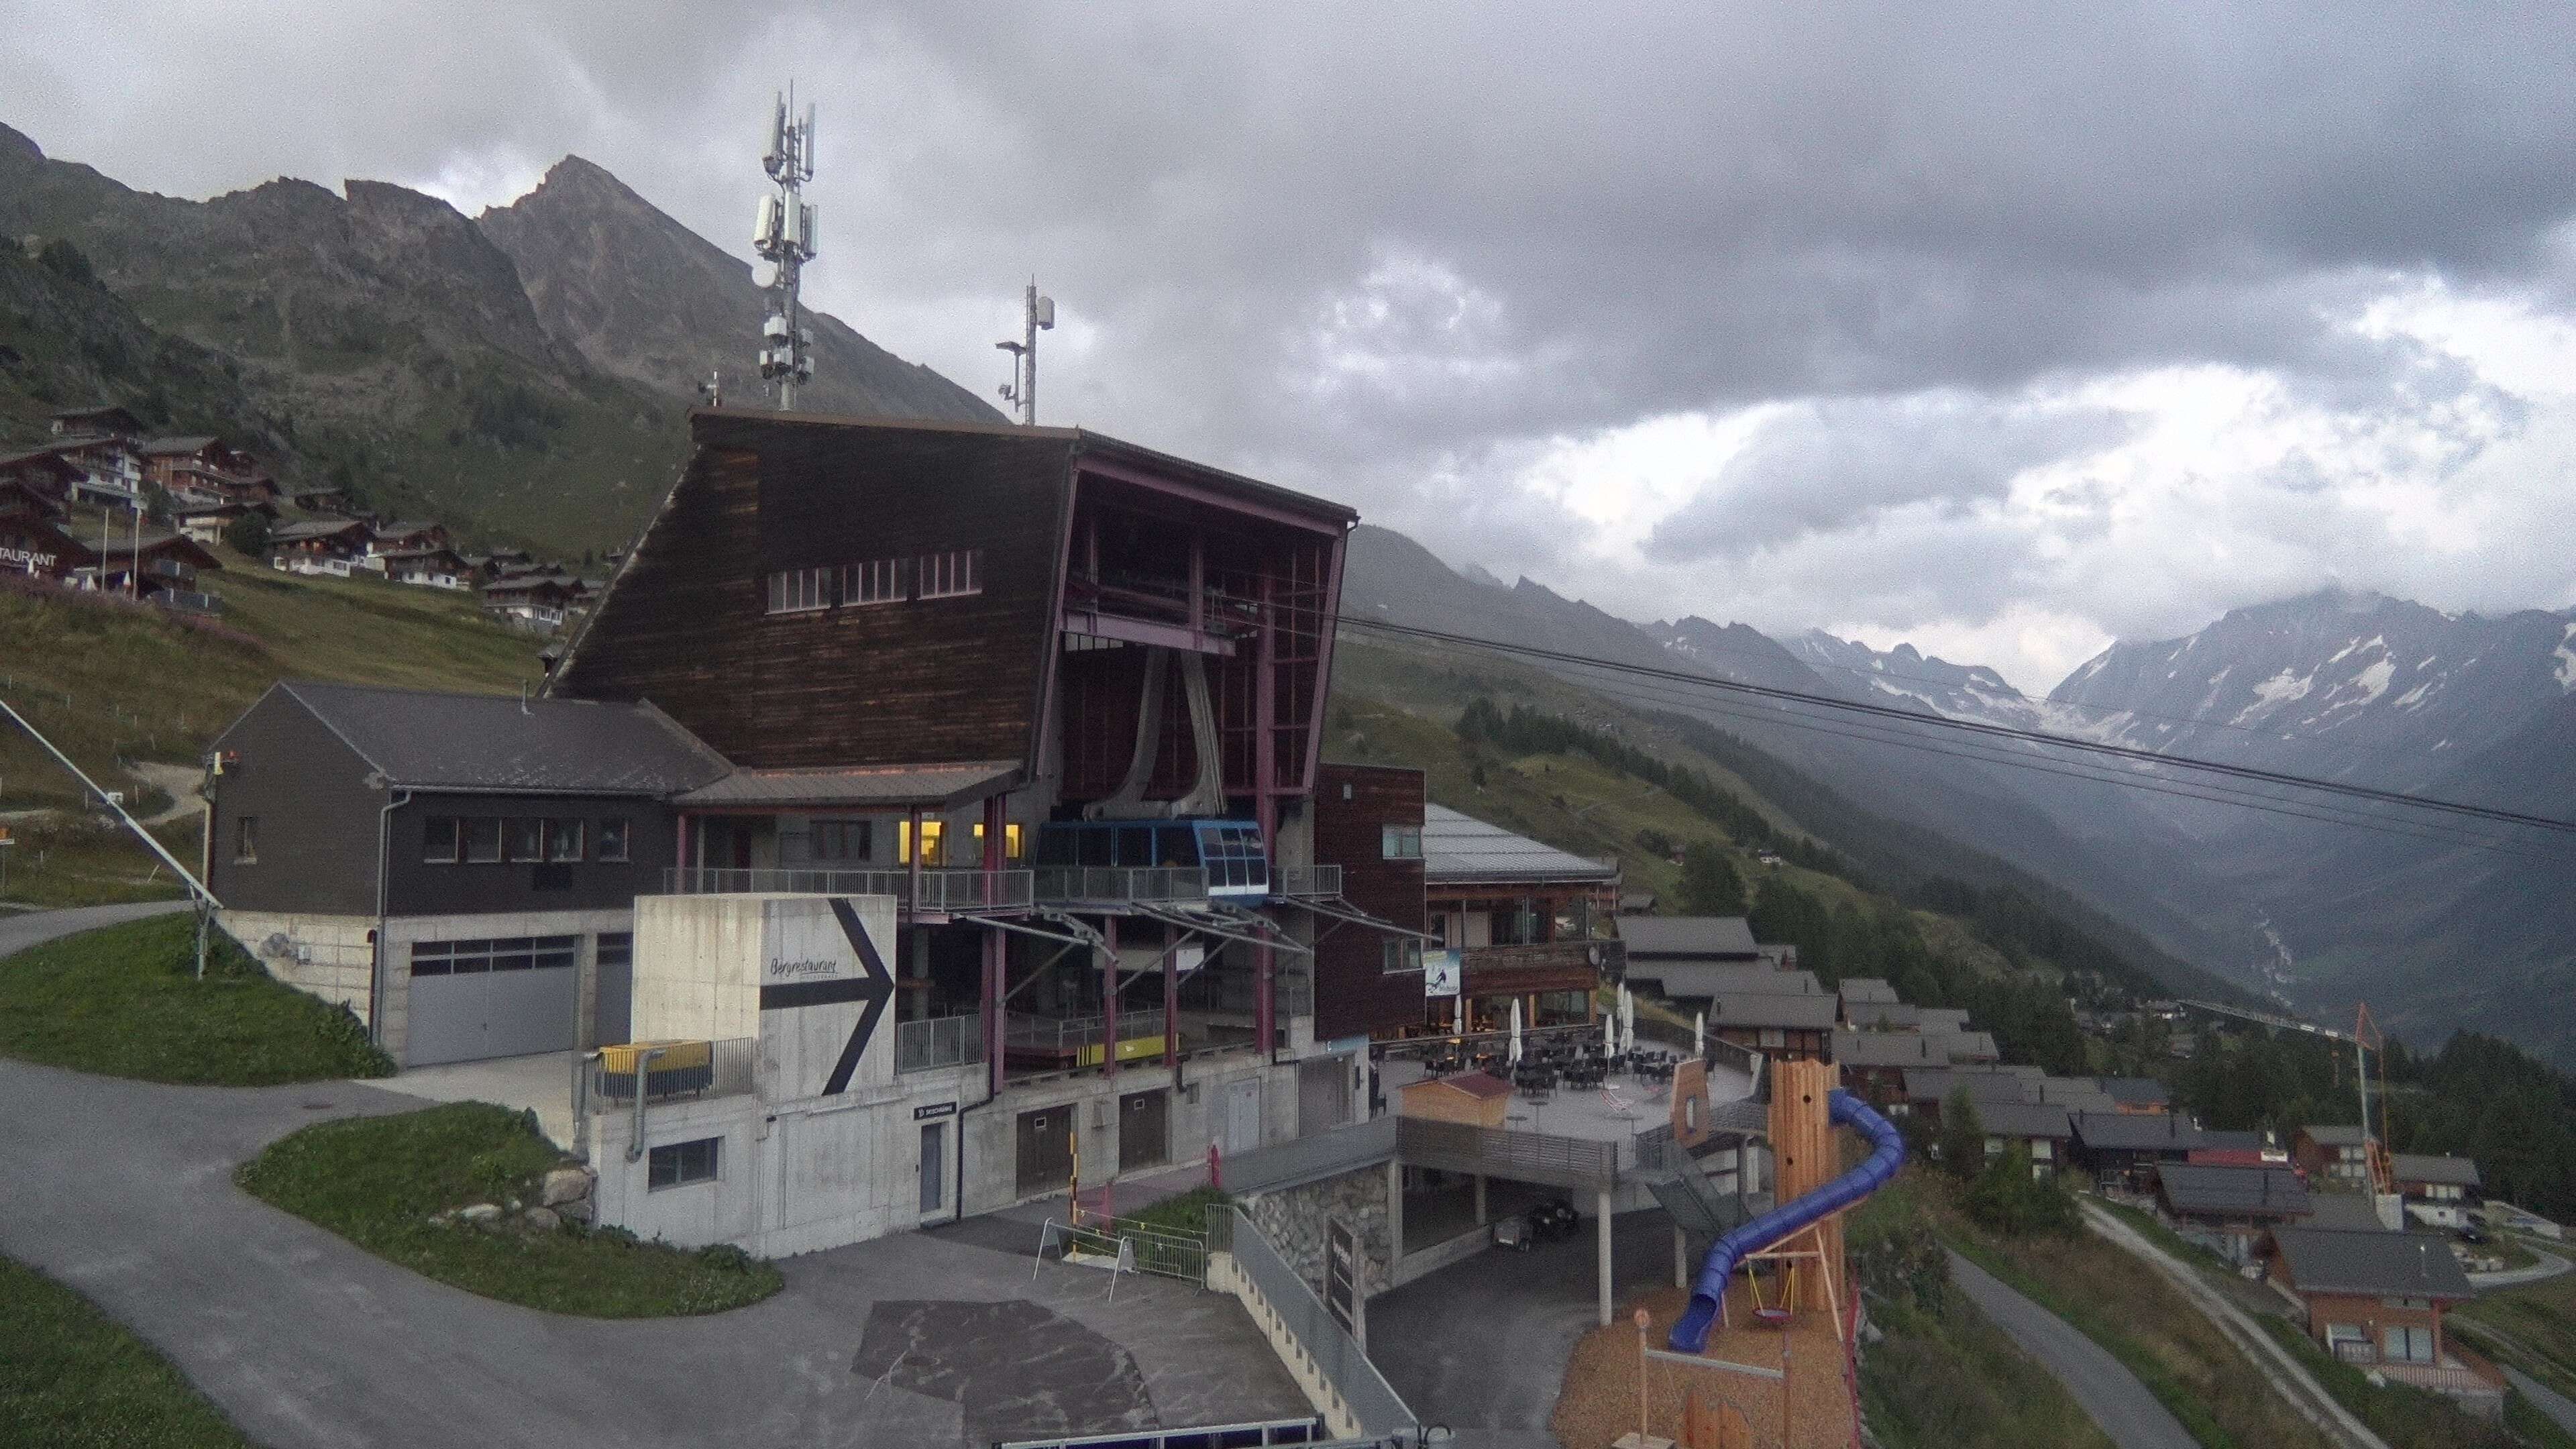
<point x="28" y="559"/>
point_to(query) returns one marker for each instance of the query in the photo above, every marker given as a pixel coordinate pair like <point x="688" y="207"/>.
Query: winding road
<point x="2101" y="1384"/>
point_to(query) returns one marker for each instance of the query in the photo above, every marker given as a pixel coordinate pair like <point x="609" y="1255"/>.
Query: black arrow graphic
<point x="874" y="985"/>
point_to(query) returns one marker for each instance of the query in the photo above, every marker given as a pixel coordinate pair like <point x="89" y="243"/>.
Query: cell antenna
<point x="783" y="235"/>
<point x="1037" y="314"/>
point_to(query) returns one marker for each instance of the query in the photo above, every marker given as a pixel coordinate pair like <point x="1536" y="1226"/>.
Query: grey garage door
<point x="507" y="997"/>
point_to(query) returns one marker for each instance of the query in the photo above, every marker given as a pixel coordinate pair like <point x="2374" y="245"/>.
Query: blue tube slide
<point x="1887" y="1153"/>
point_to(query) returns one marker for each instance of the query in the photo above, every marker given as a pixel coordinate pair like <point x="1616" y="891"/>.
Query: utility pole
<point x="1037" y="314"/>
<point x="783" y="235"/>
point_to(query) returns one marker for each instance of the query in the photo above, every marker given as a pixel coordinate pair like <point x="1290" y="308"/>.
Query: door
<point x="1323" y="1095"/>
<point x="934" y="1166"/>
<point x="1144" y="1129"/>
<point x="493" y="998"/>
<point x="1241" y="1130"/>
<point x="612" y="1008"/>
<point x="1046" y="1150"/>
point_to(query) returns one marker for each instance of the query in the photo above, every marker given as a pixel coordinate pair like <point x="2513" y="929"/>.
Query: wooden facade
<point x="1355" y="993"/>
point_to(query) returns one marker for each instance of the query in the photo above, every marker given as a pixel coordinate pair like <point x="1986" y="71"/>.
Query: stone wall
<point x="333" y="957"/>
<point x="1294" y="1218"/>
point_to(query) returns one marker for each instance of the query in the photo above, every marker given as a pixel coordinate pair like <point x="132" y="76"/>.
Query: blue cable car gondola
<point x="1228" y="850"/>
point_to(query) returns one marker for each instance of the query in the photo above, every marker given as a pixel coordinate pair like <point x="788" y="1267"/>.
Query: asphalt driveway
<point x="2112" y="1395"/>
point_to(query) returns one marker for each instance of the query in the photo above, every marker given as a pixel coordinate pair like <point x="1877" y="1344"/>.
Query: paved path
<point x="123" y="1191"/>
<point x="2101" y="1384"/>
<point x="35" y="928"/>
<point x="2544" y="1398"/>
<point x="2549" y="1266"/>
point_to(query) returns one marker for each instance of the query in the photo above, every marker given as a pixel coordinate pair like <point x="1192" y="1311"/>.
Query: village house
<point x="204" y="469"/>
<point x="2123" y="1149"/>
<point x="537" y="602"/>
<point x="2228" y="1209"/>
<point x="34" y="536"/>
<point x="2143" y="1096"/>
<point x="437" y="568"/>
<point x="2335" y="1153"/>
<point x="1529" y="922"/>
<point x="407" y="536"/>
<point x="2439" y="1190"/>
<point x="43" y="471"/>
<point x="319" y="546"/>
<point x="2040" y="1129"/>
<point x="2376" y="1300"/>
<point x="153" y="565"/>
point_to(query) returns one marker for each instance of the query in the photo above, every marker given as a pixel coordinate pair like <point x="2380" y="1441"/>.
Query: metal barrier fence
<point x="940" y="890"/>
<point x="1319" y="881"/>
<point x="1248" y="1435"/>
<point x="937" y="1041"/>
<point x="1130" y="1247"/>
<point x="683" y="1069"/>
<point x="1304" y="1159"/>
<point x="1329" y="1346"/>
<point x="1120" y="883"/>
<point x="1054" y="1034"/>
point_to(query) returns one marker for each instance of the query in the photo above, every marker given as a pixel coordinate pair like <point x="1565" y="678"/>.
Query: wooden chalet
<point x="33" y="542"/>
<point x="100" y="419"/>
<point x="438" y="568"/>
<point x="159" y="566"/>
<point x="1047" y="688"/>
<point x="321" y="545"/>
<point x="408" y="536"/>
<point x="1530" y="922"/>
<point x="206" y="470"/>
<point x="41" y="470"/>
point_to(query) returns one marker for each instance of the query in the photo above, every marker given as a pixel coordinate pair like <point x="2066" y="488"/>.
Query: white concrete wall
<point x="393" y="1033"/>
<point x="332" y="957"/>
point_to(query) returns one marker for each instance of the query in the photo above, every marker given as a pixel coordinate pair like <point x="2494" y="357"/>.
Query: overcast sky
<point x="2002" y="335"/>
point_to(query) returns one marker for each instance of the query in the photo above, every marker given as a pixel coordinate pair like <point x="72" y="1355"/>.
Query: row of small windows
<point x="948" y="575"/>
<point x="511" y="953"/>
<point x="484" y="839"/>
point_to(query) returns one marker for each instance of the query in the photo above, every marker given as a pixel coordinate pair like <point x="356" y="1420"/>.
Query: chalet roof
<point x="2378" y="1265"/>
<point x="50" y="453"/>
<point x="2140" y="1132"/>
<point x="2335" y="1135"/>
<point x="1809" y="1013"/>
<point x="2023" y="1119"/>
<point x="1936" y="1083"/>
<point x="1890" y="1049"/>
<point x="314" y="528"/>
<point x="738" y="426"/>
<point x="2425" y="1167"/>
<point x="420" y="740"/>
<point x="1867" y="988"/>
<point x="166" y="447"/>
<point x="1715" y="938"/>
<point x="398" y="530"/>
<point x="931" y="785"/>
<point x="397" y="555"/>
<point x="2076" y="1094"/>
<point x="2192" y="1187"/>
<point x="2342" y="1212"/>
<point x="109" y="413"/>
<point x="2135" y="1091"/>
<point x="156" y="542"/>
<point x="1460" y="849"/>
<point x="1482" y="1085"/>
<point x="1710" y="978"/>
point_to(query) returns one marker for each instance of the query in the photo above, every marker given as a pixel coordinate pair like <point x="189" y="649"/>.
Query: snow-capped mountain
<point x="1960" y="691"/>
<point x="2346" y="685"/>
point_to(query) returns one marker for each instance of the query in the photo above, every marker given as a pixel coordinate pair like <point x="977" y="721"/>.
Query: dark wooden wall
<point x="317" y="815"/>
<point x="687" y="625"/>
<point x="1353" y="993"/>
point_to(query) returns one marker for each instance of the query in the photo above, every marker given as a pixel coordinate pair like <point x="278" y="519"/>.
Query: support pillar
<point x="1109" y="999"/>
<point x="1265" y="807"/>
<point x="1172" y="1014"/>
<point x="996" y="961"/>
<point x="1394" y="1217"/>
<point x="1681" y="1257"/>
<point x="1480" y="1200"/>
<point x="1601" y="1202"/>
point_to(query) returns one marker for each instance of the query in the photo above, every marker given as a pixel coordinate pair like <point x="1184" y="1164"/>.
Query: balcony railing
<point x="938" y="1041"/>
<point x="1310" y="881"/>
<point x="679" y="1069"/>
<point x="1070" y="1035"/>
<point x="941" y="890"/>
<point x="1067" y="884"/>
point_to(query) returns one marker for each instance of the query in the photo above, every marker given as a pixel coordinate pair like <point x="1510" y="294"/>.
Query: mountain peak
<point x="20" y="141"/>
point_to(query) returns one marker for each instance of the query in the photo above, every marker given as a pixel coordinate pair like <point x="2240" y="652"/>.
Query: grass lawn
<point x="2541" y="1319"/>
<point x="378" y="1181"/>
<point x="71" y="1377"/>
<point x="1184" y="1213"/>
<point x="2406" y="1417"/>
<point x="2223" y="1401"/>
<point x="123" y="1001"/>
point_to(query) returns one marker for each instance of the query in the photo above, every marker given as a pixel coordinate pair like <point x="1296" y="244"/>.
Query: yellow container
<point x="675" y="1056"/>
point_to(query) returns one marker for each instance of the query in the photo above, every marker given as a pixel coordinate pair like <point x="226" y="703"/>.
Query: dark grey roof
<point x="1973" y="1046"/>
<point x="940" y="785"/>
<point x="1699" y="978"/>
<point x="315" y="528"/>
<point x="2409" y="1265"/>
<point x="163" y="447"/>
<point x="2023" y="1119"/>
<point x="420" y="740"/>
<point x="2334" y="1135"/>
<point x="2193" y="1187"/>
<point x="2425" y="1167"/>
<point x="1867" y="988"/>
<point x="1811" y="1013"/>
<point x="1890" y="1049"/>
<point x="2231" y="1141"/>
<point x="1461" y="848"/>
<point x="2135" y="1091"/>
<point x="2075" y="1094"/>
<point x="1935" y="1084"/>
<point x="2343" y="1212"/>
<point x="1707" y="937"/>
<point x="2139" y="1132"/>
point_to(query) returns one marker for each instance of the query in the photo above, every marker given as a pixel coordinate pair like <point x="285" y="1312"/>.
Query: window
<point x="682" y="1163"/>
<point x="878" y="581"/>
<point x="1014" y="847"/>
<point x="441" y="840"/>
<point x="515" y="953"/>
<point x="614" y="948"/>
<point x="1773" y="1036"/>
<point x="563" y="839"/>
<point x="842" y="839"/>
<point x="524" y="839"/>
<point x="612" y="838"/>
<point x="1400" y="842"/>
<point x="2407" y="1344"/>
<point x="933" y="851"/>
<point x="482" y="840"/>
<point x="796" y="590"/>
<point x="246" y="840"/>
<point x="946" y="575"/>
<point x="1403" y="953"/>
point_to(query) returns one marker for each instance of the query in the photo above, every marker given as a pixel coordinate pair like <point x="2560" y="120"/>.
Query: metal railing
<point x="1070" y="883"/>
<point x="1308" y="1431"/>
<point x="1059" y="1035"/>
<point x="1492" y="1152"/>
<point x="938" y="1041"/>
<point x="1335" y="1354"/>
<point x="685" y="1069"/>
<point x="1320" y="881"/>
<point x="1307" y="1159"/>
<point x="940" y="890"/>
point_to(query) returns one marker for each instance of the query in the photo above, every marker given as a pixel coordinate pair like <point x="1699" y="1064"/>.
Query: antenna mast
<point x="1037" y="314"/>
<point x="783" y="235"/>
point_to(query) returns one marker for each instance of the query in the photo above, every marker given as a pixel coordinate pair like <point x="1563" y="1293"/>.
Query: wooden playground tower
<point x="1810" y="1273"/>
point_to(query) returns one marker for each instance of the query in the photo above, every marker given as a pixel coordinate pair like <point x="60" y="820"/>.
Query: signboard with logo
<point x="1442" y="972"/>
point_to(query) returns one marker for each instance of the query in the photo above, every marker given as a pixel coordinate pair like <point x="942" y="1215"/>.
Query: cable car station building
<point x="1055" y="700"/>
